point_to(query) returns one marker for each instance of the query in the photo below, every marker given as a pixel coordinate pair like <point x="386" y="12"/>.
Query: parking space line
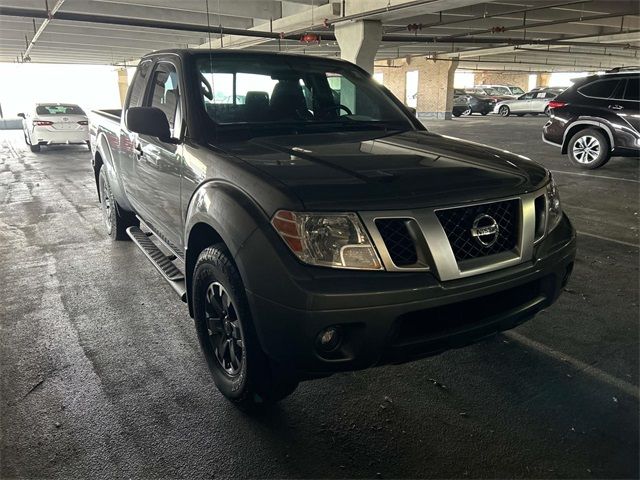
<point x="583" y="367"/>
<point x="621" y="242"/>
<point x="597" y="176"/>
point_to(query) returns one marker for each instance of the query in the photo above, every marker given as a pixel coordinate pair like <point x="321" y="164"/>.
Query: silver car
<point x="533" y="102"/>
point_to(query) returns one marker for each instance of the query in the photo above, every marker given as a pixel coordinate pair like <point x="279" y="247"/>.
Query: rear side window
<point x="137" y="86"/>
<point x="600" y="88"/>
<point x="633" y="89"/>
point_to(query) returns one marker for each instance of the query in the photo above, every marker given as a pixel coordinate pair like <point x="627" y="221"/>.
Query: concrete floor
<point x="102" y="375"/>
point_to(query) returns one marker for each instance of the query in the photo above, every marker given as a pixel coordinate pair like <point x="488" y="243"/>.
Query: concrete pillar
<point x="359" y="41"/>
<point x="123" y="84"/>
<point x="435" y="89"/>
<point x="544" y="78"/>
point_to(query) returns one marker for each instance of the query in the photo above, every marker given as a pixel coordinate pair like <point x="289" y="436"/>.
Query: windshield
<point x="55" y="109"/>
<point x="501" y="90"/>
<point x="491" y="91"/>
<point x="280" y="91"/>
<point x="517" y="90"/>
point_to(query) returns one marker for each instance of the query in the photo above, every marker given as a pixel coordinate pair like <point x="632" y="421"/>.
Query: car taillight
<point x="556" y="104"/>
<point x="83" y="122"/>
<point x="42" y="123"/>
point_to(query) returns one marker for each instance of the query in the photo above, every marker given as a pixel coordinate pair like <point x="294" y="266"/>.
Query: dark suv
<point x="599" y="116"/>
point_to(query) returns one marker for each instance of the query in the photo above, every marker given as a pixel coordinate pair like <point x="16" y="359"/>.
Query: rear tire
<point x="504" y="111"/>
<point x="240" y="369"/>
<point x="34" y="148"/>
<point x="116" y="219"/>
<point x="589" y="149"/>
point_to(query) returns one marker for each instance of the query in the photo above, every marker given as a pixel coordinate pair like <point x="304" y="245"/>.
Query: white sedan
<point x="55" y="124"/>
<point x="533" y="102"/>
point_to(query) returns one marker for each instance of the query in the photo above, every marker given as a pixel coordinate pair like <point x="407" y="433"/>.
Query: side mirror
<point x="149" y="121"/>
<point x="21" y="115"/>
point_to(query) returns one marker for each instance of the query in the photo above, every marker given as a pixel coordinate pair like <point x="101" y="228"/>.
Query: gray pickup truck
<point x="313" y="225"/>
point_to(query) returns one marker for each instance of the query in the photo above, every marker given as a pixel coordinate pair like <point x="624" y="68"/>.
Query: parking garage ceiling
<point x="517" y="35"/>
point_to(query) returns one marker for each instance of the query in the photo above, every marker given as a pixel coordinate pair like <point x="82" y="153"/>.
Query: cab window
<point x="165" y="94"/>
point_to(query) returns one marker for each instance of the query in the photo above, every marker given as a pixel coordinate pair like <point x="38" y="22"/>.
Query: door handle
<point x="138" y="150"/>
<point x="616" y="107"/>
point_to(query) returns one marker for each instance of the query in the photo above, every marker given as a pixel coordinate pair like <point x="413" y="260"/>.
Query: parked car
<point x="534" y="102"/>
<point x="472" y="103"/>
<point x="55" y="124"/>
<point x="510" y="90"/>
<point x="489" y="92"/>
<point x="324" y="239"/>
<point x="597" y="118"/>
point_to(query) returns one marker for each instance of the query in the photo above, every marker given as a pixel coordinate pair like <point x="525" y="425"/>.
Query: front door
<point x="522" y="104"/>
<point x="159" y="164"/>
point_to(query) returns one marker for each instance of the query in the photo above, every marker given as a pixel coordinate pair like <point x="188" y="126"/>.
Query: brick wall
<point x="435" y="84"/>
<point x="503" y="78"/>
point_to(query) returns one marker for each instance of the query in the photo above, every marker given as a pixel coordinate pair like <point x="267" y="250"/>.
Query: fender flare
<point x="103" y="148"/>
<point x="587" y="121"/>
<point x="230" y="212"/>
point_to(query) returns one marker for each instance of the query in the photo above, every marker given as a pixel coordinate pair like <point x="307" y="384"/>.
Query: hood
<point x="370" y="171"/>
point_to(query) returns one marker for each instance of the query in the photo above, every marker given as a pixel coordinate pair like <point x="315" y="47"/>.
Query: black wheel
<point x="589" y="149"/>
<point x="483" y="113"/>
<point x="467" y="112"/>
<point x="504" y="111"/>
<point x="456" y="114"/>
<point x="239" y="367"/>
<point x="34" y="148"/>
<point x="116" y="220"/>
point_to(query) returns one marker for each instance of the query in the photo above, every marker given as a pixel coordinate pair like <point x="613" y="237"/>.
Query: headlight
<point x="335" y="240"/>
<point x="554" y="208"/>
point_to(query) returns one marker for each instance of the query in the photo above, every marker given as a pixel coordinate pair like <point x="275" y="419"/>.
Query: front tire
<point x="34" y="148"/>
<point x="467" y="112"/>
<point x="239" y="367"/>
<point x="504" y="111"/>
<point x="589" y="149"/>
<point x="116" y="220"/>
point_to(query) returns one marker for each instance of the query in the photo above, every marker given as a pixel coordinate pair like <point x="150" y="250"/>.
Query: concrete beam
<point x="263" y="9"/>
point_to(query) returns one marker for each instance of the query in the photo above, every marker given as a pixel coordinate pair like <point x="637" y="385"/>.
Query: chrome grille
<point x="397" y="238"/>
<point x="459" y="222"/>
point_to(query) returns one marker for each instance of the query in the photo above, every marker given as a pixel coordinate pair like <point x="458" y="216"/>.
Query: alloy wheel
<point x="586" y="149"/>
<point x="105" y="196"/>
<point x="466" y="112"/>
<point x="224" y="329"/>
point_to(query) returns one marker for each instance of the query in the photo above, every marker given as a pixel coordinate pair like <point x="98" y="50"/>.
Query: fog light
<point x="329" y="339"/>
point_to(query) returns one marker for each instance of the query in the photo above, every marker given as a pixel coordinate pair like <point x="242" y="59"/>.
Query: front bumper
<point x="393" y="317"/>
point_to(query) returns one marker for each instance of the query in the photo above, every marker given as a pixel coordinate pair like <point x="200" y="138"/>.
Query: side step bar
<point x="163" y="264"/>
